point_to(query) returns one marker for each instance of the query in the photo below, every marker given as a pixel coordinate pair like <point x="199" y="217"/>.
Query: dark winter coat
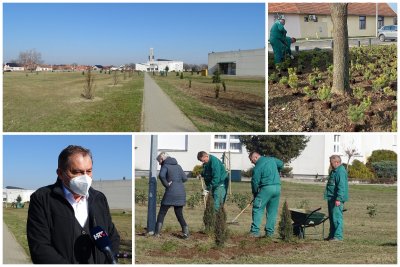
<point x="55" y="236"/>
<point x="175" y="194"/>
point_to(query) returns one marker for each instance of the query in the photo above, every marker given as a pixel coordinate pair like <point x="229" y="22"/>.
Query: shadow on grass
<point x="389" y="244"/>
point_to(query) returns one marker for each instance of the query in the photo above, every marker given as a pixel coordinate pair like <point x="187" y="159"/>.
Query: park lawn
<point x="240" y="108"/>
<point x="15" y="219"/>
<point x="52" y="102"/>
<point x="367" y="240"/>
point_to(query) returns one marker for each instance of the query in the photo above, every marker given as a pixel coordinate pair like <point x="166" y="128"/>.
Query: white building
<point x="10" y="194"/>
<point x="313" y="160"/>
<point x="13" y="67"/>
<point x="44" y="68"/>
<point x="315" y="157"/>
<point x="240" y="63"/>
<point x="185" y="148"/>
<point x="159" y="64"/>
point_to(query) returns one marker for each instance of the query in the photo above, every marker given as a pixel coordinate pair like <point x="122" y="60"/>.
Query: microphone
<point x="124" y="255"/>
<point x="103" y="243"/>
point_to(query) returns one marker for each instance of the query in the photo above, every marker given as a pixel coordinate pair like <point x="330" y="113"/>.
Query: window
<point x="336" y="138"/>
<point x="222" y="143"/>
<point x="395" y="21"/>
<point x="363" y="22"/>
<point x="381" y="21"/>
<point x="311" y="18"/>
<point x="336" y="148"/>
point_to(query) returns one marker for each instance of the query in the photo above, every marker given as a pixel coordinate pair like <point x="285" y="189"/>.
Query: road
<point x="160" y="114"/>
<point x="326" y="43"/>
<point x="13" y="253"/>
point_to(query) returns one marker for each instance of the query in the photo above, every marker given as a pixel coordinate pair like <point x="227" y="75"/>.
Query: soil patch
<point x="290" y="110"/>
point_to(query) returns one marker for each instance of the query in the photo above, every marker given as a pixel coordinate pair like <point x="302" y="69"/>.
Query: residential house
<point x="313" y="20"/>
<point x="13" y="67"/>
<point x="44" y="68"/>
<point x="97" y="67"/>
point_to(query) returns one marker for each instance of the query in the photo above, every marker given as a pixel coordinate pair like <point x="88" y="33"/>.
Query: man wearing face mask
<point x="61" y="215"/>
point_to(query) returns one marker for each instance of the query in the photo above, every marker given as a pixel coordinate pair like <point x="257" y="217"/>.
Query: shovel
<point x="234" y="220"/>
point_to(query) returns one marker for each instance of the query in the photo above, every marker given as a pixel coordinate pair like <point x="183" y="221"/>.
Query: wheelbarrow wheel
<point x="298" y="231"/>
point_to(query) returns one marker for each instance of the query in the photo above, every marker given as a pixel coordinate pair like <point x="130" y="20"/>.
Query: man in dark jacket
<point x="172" y="178"/>
<point x="61" y="215"/>
<point x="215" y="178"/>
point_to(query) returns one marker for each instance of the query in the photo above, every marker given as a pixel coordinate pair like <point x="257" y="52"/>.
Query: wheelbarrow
<point x="303" y="219"/>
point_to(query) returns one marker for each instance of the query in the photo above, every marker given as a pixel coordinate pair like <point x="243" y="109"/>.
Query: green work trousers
<point x="267" y="198"/>
<point x="278" y="49"/>
<point x="219" y="195"/>
<point x="335" y="220"/>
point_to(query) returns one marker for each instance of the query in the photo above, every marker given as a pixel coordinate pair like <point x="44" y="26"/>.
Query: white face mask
<point x="80" y="184"/>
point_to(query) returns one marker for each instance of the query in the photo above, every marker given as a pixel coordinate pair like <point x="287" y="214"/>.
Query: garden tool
<point x="234" y="220"/>
<point x="204" y="191"/>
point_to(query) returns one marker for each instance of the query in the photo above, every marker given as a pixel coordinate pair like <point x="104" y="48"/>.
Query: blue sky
<point x="119" y="33"/>
<point x="30" y="161"/>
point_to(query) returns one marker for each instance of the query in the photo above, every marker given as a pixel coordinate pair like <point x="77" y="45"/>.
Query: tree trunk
<point x="341" y="57"/>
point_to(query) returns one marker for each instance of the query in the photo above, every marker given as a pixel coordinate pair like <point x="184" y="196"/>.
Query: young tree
<point x="350" y="152"/>
<point x="115" y="77"/>
<point x="341" y="56"/>
<point x="220" y="229"/>
<point x="88" y="88"/>
<point x="209" y="215"/>
<point x="284" y="147"/>
<point x="166" y="70"/>
<point x="285" y="224"/>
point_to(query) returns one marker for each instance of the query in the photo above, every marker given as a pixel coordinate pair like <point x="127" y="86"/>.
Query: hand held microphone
<point x="103" y="243"/>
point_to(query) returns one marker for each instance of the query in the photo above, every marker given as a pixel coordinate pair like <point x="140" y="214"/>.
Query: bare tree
<point x="88" y="88"/>
<point x="30" y="59"/>
<point x="350" y="152"/>
<point x="115" y="77"/>
<point x="341" y="83"/>
<point x="203" y="66"/>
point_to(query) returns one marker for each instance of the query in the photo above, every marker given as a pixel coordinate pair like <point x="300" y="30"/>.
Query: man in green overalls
<point x="277" y="38"/>
<point x="215" y="177"/>
<point x="336" y="193"/>
<point x="266" y="189"/>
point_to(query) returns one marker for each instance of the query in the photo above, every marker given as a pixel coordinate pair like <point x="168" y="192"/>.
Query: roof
<point x="366" y="9"/>
<point x="13" y="65"/>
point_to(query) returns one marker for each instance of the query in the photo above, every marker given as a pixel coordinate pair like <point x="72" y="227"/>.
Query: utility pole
<point x="152" y="196"/>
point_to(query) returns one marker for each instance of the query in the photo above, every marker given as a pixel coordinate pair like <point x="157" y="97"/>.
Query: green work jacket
<point x="337" y="186"/>
<point x="278" y="32"/>
<point x="266" y="172"/>
<point x="214" y="173"/>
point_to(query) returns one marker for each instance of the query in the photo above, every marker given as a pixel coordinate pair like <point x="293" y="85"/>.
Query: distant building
<point x="159" y="64"/>
<point x="313" y="20"/>
<point x="239" y="63"/>
<point x="315" y="157"/>
<point x="10" y="194"/>
<point x="97" y="67"/>
<point x="44" y="68"/>
<point x="13" y="67"/>
<point x="313" y="160"/>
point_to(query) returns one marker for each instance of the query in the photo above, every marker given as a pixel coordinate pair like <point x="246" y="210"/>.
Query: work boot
<point x="185" y="231"/>
<point x="158" y="229"/>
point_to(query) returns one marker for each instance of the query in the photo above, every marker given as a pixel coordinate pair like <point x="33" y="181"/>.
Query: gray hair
<point x="162" y="156"/>
<point x="336" y="158"/>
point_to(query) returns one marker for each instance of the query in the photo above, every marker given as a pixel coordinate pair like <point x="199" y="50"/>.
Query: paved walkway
<point x="160" y="114"/>
<point x="13" y="253"/>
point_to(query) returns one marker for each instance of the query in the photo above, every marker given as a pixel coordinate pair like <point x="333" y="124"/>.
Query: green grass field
<point x="367" y="240"/>
<point x="52" y="102"/>
<point x="240" y="108"/>
<point x="15" y="219"/>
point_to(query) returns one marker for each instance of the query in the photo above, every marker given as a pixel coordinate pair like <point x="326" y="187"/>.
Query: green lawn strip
<point x="207" y="118"/>
<point x="54" y="103"/>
